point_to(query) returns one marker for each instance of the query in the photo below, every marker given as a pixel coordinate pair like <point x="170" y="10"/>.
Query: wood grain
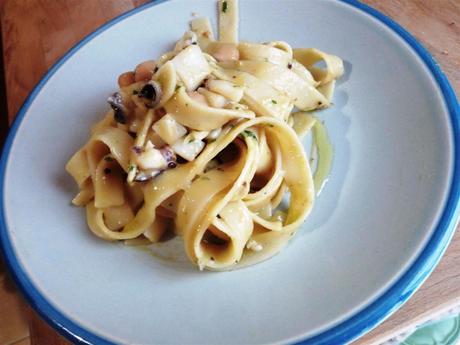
<point x="436" y="24"/>
<point x="35" y="33"/>
<point x="13" y="323"/>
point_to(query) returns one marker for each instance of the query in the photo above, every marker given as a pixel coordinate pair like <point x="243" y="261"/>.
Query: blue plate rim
<point x="344" y="332"/>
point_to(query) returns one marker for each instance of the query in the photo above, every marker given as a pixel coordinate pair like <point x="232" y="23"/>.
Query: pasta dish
<point x="205" y="143"/>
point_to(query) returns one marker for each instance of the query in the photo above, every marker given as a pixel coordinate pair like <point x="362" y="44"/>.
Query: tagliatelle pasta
<point x="205" y="143"/>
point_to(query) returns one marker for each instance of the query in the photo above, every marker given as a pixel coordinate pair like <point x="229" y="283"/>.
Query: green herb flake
<point x="248" y="134"/>
<point x="177" y="87"/>
<point x="274" y="102"/>
<point x="191" y="140"/>
<point x="205" y="178"/>
<point x="270" y="125"/>
<point x="132" y="167"/>
<point x="224" y="6"/>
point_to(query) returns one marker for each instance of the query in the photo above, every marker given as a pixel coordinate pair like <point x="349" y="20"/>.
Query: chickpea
<point x="144" y="70"/>
<point x="126" y="79"/>
<point x="226" y="52"/>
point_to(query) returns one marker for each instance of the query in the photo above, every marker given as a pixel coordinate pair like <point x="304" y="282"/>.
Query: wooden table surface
<point x="35" y="33"/>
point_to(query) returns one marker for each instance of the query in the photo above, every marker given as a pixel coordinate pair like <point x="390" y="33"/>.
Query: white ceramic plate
<point x="377" y="230"/>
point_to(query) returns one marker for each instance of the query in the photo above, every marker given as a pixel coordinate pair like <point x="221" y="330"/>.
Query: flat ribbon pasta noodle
<point x="327" y="90"/>
<point x="203" y="30"/>
<point x="264" y="52"/>
<point x="107" y="154"/>
<point x="193" y="114"/>
<point x="298" y="179"/>
<point x="107" y="121"/>
<point x="167" y="78"/>
<point x="310" y="56"/>
<point x="269" y="242"/>
<point x="236" y="224"/>
<point x="304" y="95"/>
<point x="85" y="195"/>
<point x="257" y="200"/>
<point x="228" y="21"/>
<point x="116" y="141"/>
<point x="108" y="185"/>
<point x="204" y="143"/>
<point x="260" y="96"/>
<point x="195" y="218"/>
<point x="78" y="167"/>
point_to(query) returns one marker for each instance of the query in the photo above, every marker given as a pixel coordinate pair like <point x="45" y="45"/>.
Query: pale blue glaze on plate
<point x="377" y="231"/>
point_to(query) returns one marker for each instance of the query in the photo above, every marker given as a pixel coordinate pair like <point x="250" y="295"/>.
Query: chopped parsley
<point x="132" y="167"/>
<point x="177" y="87"/>
<point x="274" y="102"/>
<point x="248" y="134"/>
<point x="191" y="140"/>
<point x="224" y="6"/>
